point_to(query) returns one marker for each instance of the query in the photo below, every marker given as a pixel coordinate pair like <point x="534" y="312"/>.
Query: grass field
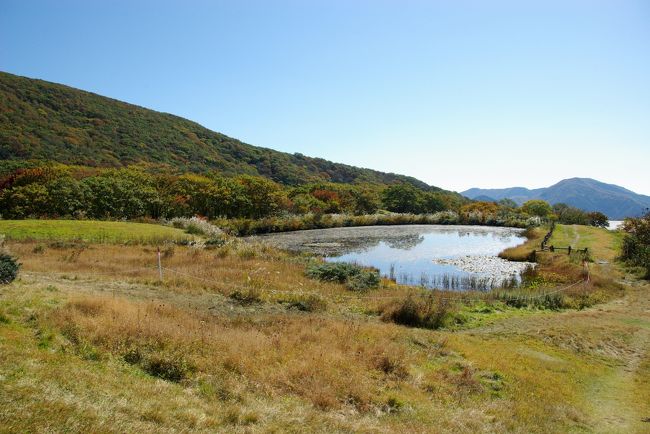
<point x="601" y="242"/>
<point x="90" y="231"/>
<point x="92" y="341"/>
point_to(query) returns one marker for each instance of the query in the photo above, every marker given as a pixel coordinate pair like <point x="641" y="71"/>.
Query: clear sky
<point x="456" y="93"/>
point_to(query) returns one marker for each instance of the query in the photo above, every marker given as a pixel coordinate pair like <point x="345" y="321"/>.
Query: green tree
<point x="261" y="197"/>
<point x="403" y="198"/>
<point x="598" y="219"/>
<point x="432" y="202"/>
<point x="114" y="196"/>
<point x="537" y="207"/>
<point x="570" y="215"/>
<point x="636" y="243"/>
<point x="66" y="197"/>
<point x="24" y="201"/>
<point x="366" y="200"/>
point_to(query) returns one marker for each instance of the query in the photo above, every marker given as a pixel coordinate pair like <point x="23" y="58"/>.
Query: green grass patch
<point x="602" y="243"/>
<point x="90" y="231"/>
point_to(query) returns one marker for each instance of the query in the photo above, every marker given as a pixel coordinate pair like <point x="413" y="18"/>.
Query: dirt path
<point x="576" y="239"/>
<point x="615" y="337"/>
<point x="617" y="400"/>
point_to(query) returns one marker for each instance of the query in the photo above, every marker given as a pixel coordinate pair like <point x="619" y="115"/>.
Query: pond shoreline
<point x="271" y="225"/>
<point x="428" y="255"/>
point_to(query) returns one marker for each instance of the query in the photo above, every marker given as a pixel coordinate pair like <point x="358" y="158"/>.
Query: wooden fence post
<point x="160" y="273"/>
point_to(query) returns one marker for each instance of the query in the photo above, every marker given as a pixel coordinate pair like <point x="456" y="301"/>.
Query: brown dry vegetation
<point x="91" y="340"/>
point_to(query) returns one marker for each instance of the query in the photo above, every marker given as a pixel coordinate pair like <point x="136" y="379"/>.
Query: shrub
<point x="425" y="311"/>
<point x="194" y="229"/>
<point x="636" y="244"/>
<point x="364" y="280"/>
<point x="168" y="367"/>
<point x="8" y="268"/>
<point x="332" y="271"/>
<point x="197" y="226"/>
<point x="311" y="303"/>
<point x="354" y="276"/>
<point x="246" y="297"/>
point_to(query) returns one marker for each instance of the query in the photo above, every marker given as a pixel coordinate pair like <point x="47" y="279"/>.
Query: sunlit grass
<point x="603" y="244"/>
<point x="90" y="231"/>
<point x="238" y="338"/>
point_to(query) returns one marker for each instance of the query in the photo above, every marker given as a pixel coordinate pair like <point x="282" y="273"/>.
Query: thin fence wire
<point x="456" y="297"/>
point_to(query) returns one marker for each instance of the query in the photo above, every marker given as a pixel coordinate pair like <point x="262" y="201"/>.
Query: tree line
<point x="83" y="192"/>
<point x="60" y="191"/>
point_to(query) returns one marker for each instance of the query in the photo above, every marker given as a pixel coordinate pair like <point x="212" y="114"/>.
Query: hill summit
<point x="585" y="193"/>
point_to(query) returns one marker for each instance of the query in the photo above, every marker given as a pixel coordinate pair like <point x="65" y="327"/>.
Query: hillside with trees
<point x="45" y="121"/>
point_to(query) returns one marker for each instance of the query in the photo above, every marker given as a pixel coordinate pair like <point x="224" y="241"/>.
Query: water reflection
<point x="408" y="253"/>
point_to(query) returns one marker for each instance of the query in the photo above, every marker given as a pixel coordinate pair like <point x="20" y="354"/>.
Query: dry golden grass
<point x="328" y="362"/>
<point x="86" y="346"/>
<point x="523" y="251"/>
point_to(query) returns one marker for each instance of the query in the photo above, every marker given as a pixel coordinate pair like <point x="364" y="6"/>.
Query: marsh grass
<point x="322" y="362"/>
<point x="455" y="282"/>
<point x="525" y="251"/>
<point x="429" y="311"/>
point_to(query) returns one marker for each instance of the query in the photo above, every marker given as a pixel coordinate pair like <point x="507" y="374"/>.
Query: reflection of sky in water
<point x="412" y="260"/>
<point x="409" y="249"/>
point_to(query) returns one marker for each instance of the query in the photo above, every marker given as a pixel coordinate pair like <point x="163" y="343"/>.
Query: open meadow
<point x="237" y="338"/>
<point x="91" y="231"/>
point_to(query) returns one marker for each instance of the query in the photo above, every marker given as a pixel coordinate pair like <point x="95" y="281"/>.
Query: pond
<point x="434" y="256"/>
<point x="615" y="224"/>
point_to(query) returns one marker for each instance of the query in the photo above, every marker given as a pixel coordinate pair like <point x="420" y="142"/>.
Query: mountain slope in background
<point x="584" y="193"/>
<point x="45" y="121"/>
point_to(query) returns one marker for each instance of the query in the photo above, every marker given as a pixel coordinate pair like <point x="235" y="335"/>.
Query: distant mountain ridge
<point x="585" y="193"/>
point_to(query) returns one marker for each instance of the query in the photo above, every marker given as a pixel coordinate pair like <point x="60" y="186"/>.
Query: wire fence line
<point x="457" y="296"/>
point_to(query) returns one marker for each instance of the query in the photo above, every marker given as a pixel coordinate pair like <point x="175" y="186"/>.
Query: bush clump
<point x="425" y="311"/>
<point x="310" y="303"/>
<point x="9" y="267"/>
<point x="355" y="277"/>
<point x="168" y="367"/>
<point x="247" y="297"/>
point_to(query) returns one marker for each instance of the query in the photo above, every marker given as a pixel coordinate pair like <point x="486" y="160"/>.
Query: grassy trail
<point x="620" y="400"/>
<point x="611" y="339"/>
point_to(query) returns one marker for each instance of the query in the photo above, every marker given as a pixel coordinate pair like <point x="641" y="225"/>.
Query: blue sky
<point x="456" y="93"/>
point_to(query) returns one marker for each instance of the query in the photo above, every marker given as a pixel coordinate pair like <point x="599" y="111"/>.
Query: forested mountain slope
<point x="45" y="121"/>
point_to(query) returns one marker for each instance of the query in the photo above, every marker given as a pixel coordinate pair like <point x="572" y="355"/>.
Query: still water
<point x="449" y="257"/>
